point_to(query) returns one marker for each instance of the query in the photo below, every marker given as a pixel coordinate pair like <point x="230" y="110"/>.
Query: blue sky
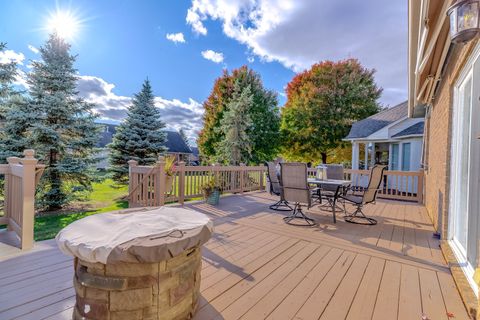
<point x="120" y="43"/>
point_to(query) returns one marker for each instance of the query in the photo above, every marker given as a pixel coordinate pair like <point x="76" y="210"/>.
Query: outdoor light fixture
<point x="464" y="21"/>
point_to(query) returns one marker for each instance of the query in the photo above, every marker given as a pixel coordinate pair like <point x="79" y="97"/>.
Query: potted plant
<point x="169" y="173"/>
<point x="211" y="191"/>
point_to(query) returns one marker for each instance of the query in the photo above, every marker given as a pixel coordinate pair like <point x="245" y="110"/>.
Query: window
<point x="406" y="157"/>
<point x="395" y="156"/>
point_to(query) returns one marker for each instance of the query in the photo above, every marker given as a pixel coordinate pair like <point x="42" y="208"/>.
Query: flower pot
<point x="214" y="197"/>
<point x="168" y="184"/>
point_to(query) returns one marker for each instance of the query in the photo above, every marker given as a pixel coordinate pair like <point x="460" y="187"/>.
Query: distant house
<point x="174" y="143"/>
<point x="177" y="146"/>
<point x="389" y="137"/>
<point x="195" y="157"/>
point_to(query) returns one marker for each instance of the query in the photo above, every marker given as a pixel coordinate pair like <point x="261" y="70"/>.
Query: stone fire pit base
<point x="129" y="291"/>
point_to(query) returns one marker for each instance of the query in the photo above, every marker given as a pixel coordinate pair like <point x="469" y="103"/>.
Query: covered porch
<point x="257" y="267"/>
<point x="365" y="154"/>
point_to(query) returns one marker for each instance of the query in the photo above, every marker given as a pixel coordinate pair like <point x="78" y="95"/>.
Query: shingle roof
<point x="106" y="135"/>
<point x="194" y="151"/>
<point x="366" y="127"/>
<point x="175" y="143"/>
<point x="417" y="128"/>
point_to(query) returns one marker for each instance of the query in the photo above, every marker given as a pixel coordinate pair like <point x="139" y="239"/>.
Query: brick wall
<point x="438" y="140"/>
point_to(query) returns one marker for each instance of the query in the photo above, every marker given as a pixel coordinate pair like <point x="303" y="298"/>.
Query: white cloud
<point x="300" y="33"/>
<point x="176" y="37"/>
<point x="112" y="107"/>
<point x="250" y="59"/>
<point x="211" y="55"/>
<point x="8" y="56"/>
<point x="21" y="79"/>
<point x="33" y="49"/>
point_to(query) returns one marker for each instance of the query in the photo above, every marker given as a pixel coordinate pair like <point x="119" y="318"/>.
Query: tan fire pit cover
<point x="144" y="236"/>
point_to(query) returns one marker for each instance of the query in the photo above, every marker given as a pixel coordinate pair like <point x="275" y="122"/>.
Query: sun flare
<point x="64" y="23"/>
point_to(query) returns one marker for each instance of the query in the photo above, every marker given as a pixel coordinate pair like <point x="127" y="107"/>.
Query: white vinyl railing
<point x="396" y="185"/>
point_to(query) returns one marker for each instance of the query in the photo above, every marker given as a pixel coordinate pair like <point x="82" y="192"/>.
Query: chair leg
<point x="281" y="205"/>
<point x="358" y="217"/>
<point x="298" y="215"/>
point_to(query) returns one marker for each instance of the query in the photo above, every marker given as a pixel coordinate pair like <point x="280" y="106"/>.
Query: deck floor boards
<point x="257" y="267"/>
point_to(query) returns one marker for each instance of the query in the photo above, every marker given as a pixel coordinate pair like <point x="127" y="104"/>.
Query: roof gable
<point x="416" y="129"/>
<point x="374" y="123"/>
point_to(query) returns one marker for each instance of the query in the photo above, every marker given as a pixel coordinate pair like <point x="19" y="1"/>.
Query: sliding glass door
<point x="464" y="195"/>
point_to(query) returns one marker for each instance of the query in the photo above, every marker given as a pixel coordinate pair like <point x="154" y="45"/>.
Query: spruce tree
<point x="140" y="137"/>
<point x="62" y="126"/>
<point x="12" y="105"/>
<point x="17" y="119"/>
<point x="8" y="71"/>
<point x="264" y="114"/>
<point x="236" y="145"/>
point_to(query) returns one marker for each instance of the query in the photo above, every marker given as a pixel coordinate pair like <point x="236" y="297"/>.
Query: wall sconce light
<point x="464" y="22"/>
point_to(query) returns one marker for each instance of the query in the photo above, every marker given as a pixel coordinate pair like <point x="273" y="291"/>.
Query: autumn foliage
<point x="322" y="103"/>
<point x="263" y="114"/>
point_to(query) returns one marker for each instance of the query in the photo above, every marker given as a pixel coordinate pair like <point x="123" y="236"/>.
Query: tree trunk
<point x="324" y="157"/>
<point x="55" y="195"/>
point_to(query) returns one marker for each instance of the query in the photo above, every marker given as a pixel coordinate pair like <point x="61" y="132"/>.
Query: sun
<point x="64" y="23"/>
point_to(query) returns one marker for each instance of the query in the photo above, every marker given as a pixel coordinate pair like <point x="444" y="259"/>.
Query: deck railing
<point x="21" y="176"/>
<point x="148" y="184"/>
<point x="396" y="185"/>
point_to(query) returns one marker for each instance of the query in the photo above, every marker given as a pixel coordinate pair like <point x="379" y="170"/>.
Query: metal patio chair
<point x="369" y="196"/>
<point x="293" y="180"/>
<point x="276" y="188"/>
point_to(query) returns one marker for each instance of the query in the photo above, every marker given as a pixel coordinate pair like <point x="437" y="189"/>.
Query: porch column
<point x="366" y="156"/>
<point x="355" y="155"/>
<point x="389" y="156"/>
<point x="372" y="159"/>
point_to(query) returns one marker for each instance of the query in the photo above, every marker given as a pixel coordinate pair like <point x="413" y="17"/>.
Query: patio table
<point x="331" y="182"/>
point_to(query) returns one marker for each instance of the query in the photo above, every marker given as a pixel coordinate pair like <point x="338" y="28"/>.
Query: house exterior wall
<point x="438" y="141"/>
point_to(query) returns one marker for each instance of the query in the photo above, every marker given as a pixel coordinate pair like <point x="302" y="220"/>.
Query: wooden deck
<point x="257" y="267"/>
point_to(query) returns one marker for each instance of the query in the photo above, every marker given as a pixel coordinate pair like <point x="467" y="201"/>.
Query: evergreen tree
<point x="184" y="137"/>
<point x="140" y="137"/>
<point x="8" y="71"/>
<point x="62" y="126"/>
<point x="11" y="102"/>
<point x="264" y="114"/>
<point x="236" y="146"/>
<point x="15" y="136"/>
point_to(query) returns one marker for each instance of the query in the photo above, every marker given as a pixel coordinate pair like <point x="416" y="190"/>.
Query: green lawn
<point x="106" y="196"/>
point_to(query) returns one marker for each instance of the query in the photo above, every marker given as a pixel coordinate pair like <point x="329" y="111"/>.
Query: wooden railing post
<point x="181" y="182"/>
<point x="261" y="179"/>
<point x="8" y="194"/>
<point x="160" y="187"/>
<point x="29" y="164"/>
<point x="131" y="183"/>
<point x="242" y="177"/>
<point x="421" y="177"/>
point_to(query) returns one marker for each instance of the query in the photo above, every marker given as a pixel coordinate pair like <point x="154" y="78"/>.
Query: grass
<point x="106" y="196"/>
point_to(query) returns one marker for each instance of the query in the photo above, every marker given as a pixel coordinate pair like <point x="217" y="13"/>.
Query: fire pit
<point x="142" y="264"/>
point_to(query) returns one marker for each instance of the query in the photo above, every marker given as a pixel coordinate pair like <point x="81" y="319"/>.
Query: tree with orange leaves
<point x="262" y="132"/>
<point x="322" y="103"/>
